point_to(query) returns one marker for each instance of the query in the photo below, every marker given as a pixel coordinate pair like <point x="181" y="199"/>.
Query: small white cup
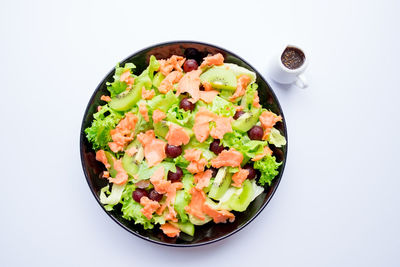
<point x="281" y="74"/>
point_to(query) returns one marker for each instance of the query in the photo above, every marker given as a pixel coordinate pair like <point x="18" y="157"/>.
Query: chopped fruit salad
<point x="183" y="143"/>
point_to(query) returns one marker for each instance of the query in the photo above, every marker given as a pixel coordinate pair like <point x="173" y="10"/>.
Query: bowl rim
<point x="85" y="171"/>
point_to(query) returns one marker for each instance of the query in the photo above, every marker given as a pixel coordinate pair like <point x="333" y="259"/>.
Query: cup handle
<point x="301" y="81"/>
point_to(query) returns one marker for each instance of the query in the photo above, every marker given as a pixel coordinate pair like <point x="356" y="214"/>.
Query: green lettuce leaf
<point x="163" y="102"/>
<point x="131" y="209"/>
<point x="99" y="132"/>
<point x="276" y="138"/>
<point x="222" y="107"/>
<point x="247" y="99"/>
<point x="145" y="172"/>
<point x="180" y="116"/>
<point x="117" y="86"/>
<point x="242" y="143"/>
<point x="268" y="168"/>
<point x="119" y="70"/>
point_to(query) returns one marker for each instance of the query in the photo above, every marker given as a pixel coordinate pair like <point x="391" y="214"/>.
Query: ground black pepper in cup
<point x="292" y="58"/>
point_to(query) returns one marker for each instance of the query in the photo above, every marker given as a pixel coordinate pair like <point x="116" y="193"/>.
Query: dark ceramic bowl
<point x="209" y="232"/>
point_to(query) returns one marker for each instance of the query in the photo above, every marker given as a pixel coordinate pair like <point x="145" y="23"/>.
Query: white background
<point x="338" y="202"/>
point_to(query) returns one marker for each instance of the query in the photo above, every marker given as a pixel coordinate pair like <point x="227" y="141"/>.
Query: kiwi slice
<point x="246" y="121"/>
<point x="220" y="78"/>
<point x="127" y="99"/>
<point x="197" y="221"/>
<point x="238" y="71"/>
<point x="128" y="162"/>
<point x="158" y="78"/>
<point x="186" y="227"/>
<point x="110" y="160"/>
<point x="221" y="183"/>
<point x="161" y="128"/>
<point x="181" y="201"/>
<point x="241" y="202"/>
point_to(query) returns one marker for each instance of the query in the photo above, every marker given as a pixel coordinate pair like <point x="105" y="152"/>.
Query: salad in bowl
<point x="184" y="143"/>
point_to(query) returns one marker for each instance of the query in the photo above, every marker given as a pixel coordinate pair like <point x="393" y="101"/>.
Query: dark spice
<point x="292" y="58"/>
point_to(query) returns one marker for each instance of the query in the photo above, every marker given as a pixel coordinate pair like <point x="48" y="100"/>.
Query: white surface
<point x="338" y="202"/>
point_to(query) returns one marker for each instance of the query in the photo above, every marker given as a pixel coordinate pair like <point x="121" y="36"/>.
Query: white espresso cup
<point x="287" y="73"/>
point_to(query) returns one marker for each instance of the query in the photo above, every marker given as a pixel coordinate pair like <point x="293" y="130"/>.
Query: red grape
<point x="175" y="176"/>
<point x="216" y="147"/>
<point x="252" y="171"/>
<point x="154" y="195"/>
<point x="173" y="151"/>
<point x="186" y="104"/>
<point x="238" y="114"/>
<point x="138" y="194"/>
<point x="190" y="65"/>
<point x="256" y="133"/>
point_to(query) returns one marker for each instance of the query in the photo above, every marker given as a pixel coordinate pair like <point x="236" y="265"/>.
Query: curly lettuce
<point x="99" y="132"/>
<point x="242" y="143"/>
<point x="118" y="86"/>
<point x="222" y="107"/>
<point x="268" y="168"/>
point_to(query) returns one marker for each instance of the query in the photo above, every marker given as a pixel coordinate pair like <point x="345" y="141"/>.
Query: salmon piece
<point x="105" y="98"/>
<point x="208" y="96"/>
<point x="168" y="83"/>
<point x="176" y="135"/>
<point x="98" y="108"/>
<point x="131" y="151"/>
<point x="101" y="156"/>
<point x="155" y="152"/>
<point x="201" y="126"/>
<point x="163" y="186"/>
<point x="170" y="230"/>
<point x="120" y="139"/>
<point x="202" y="179"/>
<point x="207" y="86"/>
<point x="177" y="62"/>
<point x="197" y="166"/>
<point x="174" y="62"/>
<point x="222" y="126"/>
<point x="125" y="75"/>
<point x="219" y="216"/>
<point x="229" y="157"/>
<point x="123" y="132"/>
<point x="217" y="59"/>
<point x="192" y="154"/>
<point x="158" y="115"/>
<point x="171" y="194"/>
<point x="268" y="120"/>
<point x="143" y="111"/>
<point x="147" y="94"/>
<point x="147" y="137"/>
<point x="154" y="149"/>
<point x="190" y="83"/>
<point x="161" y="209"/>
<point x="149" y="207"/>
<point x="239" y="177"/>
<point x="165" y="67"/>
<point x="238" y="108"/>
<point x="195" y="206"/>
<point x="157" y="179"/>
<point x="196" y="163"/>
<point x="242" y="83"/>
<point x="267" y="151"/>
<point x="256" y="100"/>
<point x="121" y="177"/>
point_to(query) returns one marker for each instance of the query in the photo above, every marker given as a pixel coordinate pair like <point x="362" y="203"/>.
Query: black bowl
<point x="210" y="232"/>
